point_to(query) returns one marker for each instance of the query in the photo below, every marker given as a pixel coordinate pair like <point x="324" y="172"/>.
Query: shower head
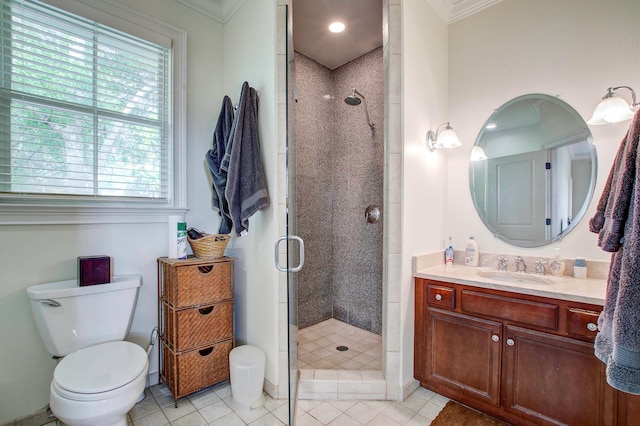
<point x="353" y="99"/>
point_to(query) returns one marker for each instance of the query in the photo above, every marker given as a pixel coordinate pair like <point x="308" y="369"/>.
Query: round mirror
<point x="533" y="170"/>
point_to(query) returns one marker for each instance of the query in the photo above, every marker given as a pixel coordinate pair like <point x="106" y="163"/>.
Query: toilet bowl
<point x="246" y="367"/>
<point x="98" y="385"/>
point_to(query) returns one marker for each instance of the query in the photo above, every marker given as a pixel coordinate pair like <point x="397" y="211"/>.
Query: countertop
<point x="588" y="290"/>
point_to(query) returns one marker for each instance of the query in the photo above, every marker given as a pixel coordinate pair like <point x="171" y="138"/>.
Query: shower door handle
<point x="277" y="254"/>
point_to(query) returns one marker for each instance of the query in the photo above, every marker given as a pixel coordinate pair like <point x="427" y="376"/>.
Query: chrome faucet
<point x="520" y="265"/>
<point x="540" y="269"/>
<point x="502" y="262"/>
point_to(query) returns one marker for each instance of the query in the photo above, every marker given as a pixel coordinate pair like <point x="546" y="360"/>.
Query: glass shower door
<point x="295" y="246"/>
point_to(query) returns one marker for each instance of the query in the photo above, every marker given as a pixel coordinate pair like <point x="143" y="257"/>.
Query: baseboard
<point x="409" y="388"/>
<point x="40" y="417"/>
<point x="270" y="389"/>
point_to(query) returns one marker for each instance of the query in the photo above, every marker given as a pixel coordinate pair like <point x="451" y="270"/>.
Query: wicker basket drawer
<point x="192" y="285"/>
<point x="191" y="371"/>
<point x="190" y="328"/>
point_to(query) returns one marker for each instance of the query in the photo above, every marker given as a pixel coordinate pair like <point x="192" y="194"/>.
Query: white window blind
<point x="84" y="108"/>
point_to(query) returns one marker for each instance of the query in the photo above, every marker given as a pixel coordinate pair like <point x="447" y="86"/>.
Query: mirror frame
<point x="591" y="185"/>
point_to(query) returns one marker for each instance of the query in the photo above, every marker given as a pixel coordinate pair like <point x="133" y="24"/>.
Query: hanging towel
<point x="618" y="340"/>
<point x="613" y="207"/>
<point x="246" y="189"/>
<point x="214" y="159"/>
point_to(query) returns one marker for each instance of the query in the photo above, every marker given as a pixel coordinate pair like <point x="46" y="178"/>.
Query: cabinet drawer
<point x="526" y="312"/>
<point x="192" y="285"/>
<point x="190" y="371"/>
<point x="443" y="297"/>
<point x="581" y="322"/>
<point x="190" y="328"/>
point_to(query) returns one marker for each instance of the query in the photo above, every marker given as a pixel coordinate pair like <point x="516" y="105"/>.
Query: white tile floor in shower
<point x="318" y="345"/>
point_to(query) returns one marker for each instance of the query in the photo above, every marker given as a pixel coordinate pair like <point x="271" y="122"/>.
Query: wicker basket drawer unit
<point x="195" y="316"/>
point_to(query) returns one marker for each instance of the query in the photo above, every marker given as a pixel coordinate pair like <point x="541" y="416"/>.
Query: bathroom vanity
<point x="520" y="351"/>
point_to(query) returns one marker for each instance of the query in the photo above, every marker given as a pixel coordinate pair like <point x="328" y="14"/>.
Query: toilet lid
<point x="100" y="368"/>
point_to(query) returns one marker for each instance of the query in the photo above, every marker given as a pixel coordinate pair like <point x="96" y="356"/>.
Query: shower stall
<point x="340" y="192"/>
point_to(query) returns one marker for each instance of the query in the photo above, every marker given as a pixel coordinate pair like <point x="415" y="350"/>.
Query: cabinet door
<point x="551" y="379"/>
<point x="463" y="354"/>
<point x="628" y="409"/>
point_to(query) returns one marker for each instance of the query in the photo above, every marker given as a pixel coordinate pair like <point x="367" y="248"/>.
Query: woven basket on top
<point x="210" y="246"/>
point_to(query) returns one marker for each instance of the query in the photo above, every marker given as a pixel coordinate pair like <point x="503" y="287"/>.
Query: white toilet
<point x="101" y="376"/>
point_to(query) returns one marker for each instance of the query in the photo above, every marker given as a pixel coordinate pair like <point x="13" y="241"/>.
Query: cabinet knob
<point x="495" y="338"/>
<point x="438" y="297"/>
<point x="510" y="342"/>
<point x="592" y="327"/>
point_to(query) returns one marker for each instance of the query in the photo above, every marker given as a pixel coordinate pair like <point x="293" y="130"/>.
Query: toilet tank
<point x="70" y="317"/>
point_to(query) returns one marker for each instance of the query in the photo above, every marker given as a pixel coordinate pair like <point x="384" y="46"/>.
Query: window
<point x="87" y="109"/>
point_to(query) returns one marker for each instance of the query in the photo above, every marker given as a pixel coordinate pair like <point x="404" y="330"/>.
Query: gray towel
<point x="214" y="159"/>
<point x="613" y="208"/>
<point x="246" y="189"/>
<point x="618" y="340"/>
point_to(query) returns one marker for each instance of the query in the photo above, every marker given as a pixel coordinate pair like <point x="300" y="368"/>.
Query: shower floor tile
<point x="318" y="345"/>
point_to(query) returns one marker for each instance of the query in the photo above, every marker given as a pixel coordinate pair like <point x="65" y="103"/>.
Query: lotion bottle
<point x="471" y="252"/>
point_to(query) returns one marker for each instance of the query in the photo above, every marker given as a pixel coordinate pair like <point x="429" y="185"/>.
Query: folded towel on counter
<point x="214" y="159"/>
<point x="618" y="340"/>
<point x="246" y="189"/>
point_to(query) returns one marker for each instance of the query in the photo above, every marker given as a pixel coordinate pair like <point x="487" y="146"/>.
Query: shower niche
<point x="340" y="166"/>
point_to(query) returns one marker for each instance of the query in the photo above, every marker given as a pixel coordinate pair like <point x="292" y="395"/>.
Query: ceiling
<point x="363" y="19"/>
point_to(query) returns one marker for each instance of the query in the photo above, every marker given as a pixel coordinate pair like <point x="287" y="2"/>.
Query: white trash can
<point x="246" y="367"/>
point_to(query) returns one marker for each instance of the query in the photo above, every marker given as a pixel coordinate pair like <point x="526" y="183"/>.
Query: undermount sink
<point x="515" y="277"/>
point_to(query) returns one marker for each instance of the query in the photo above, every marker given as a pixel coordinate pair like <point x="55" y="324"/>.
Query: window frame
<point x="65" y="210"/>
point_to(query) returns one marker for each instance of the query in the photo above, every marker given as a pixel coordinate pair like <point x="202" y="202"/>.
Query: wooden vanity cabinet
<point x="525" y="359"/>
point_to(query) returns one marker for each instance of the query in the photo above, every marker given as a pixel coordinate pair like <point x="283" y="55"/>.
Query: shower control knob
<point x="372" y="214"/>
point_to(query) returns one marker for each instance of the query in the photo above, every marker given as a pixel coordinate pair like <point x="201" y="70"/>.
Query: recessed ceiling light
<point x="336" y="27"/>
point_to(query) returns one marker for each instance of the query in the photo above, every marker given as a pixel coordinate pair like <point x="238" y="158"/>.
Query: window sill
<point x="76" y="215"/>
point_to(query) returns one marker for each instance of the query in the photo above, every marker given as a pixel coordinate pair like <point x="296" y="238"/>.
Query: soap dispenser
<point x="471" y="252"/>
<point x="557" y="265"/>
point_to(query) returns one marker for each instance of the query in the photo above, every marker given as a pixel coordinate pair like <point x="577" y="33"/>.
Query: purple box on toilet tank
<point x="94" y="270"/>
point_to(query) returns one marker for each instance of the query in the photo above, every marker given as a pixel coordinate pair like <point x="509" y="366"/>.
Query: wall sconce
<point x="477" y="154"/>
<point x="446" y="139"/>
<point x="613" y="109"/>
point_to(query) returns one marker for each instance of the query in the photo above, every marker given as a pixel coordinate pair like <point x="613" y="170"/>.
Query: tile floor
<point x="318" y="345"/>
<point x="212" y="406"/>
<point x="318" y="354"/>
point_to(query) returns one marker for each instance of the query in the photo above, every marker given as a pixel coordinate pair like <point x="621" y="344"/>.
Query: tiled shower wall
<point x="340" y="172"/>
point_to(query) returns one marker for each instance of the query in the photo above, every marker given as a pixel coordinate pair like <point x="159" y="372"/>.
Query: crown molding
<point x="218" y="10"/>
<point x="450" y="12"/>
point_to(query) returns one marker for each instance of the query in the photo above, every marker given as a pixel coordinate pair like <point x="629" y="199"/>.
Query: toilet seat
<point x="100" y="371"/>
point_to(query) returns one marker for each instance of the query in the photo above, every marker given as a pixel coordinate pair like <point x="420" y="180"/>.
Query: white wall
<point x="35" y="254"/>
<point x="574" y="49"/>
<point x="250" y="55"/>
<point x="425" y="192"/>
